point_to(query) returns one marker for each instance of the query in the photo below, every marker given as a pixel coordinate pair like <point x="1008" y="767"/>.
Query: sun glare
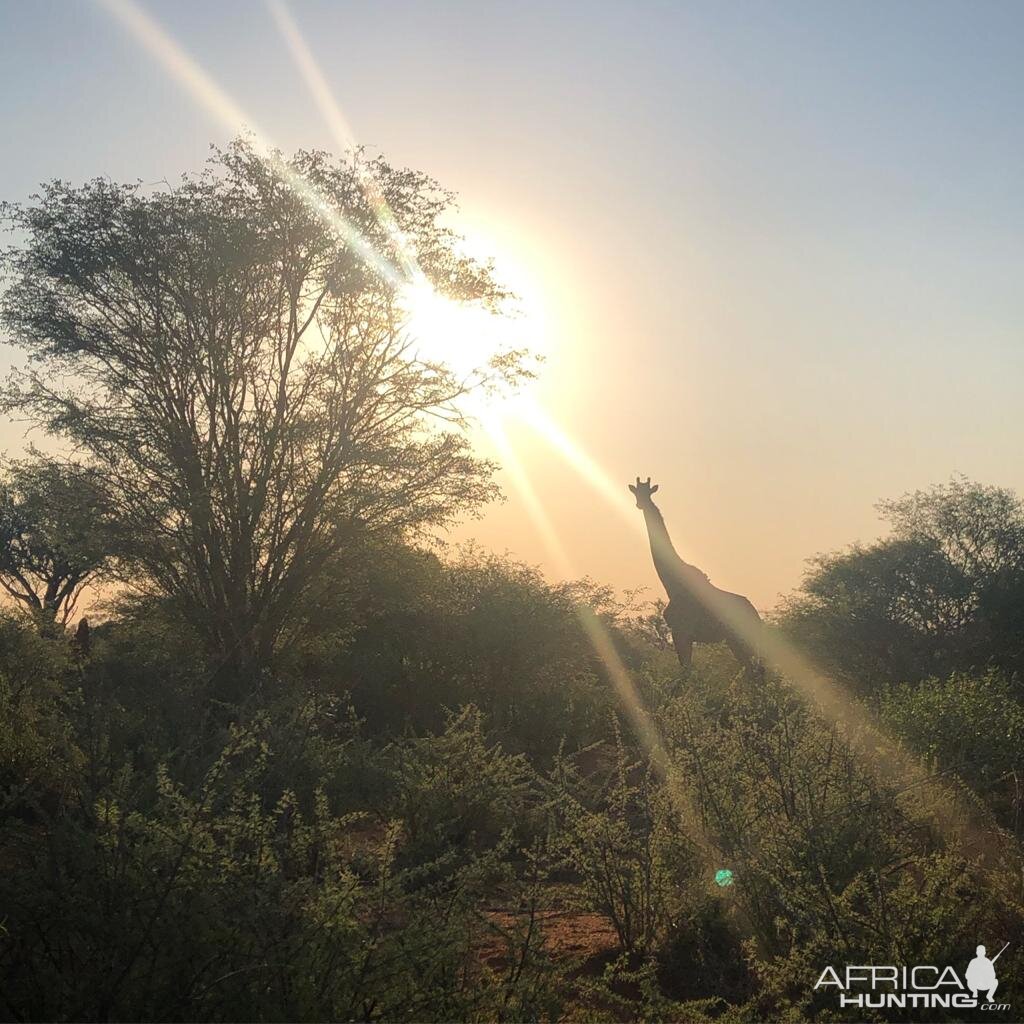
<point x="462" y="337"/>
<point x="466" y="336"/>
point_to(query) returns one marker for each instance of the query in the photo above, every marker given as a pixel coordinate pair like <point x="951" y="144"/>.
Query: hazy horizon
<point x="779" y="279"/>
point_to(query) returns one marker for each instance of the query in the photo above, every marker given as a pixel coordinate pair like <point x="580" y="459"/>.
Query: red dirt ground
<point x="568" y="934"/>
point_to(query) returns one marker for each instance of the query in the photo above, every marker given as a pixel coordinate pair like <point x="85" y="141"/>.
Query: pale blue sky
<point x="781" y="243"/>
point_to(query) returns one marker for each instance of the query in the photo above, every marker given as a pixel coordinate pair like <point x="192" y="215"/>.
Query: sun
<point x="461" y="336"/>
<point x="465" y="336"/>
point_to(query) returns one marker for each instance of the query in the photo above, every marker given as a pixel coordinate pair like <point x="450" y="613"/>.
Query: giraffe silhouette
<point x="697" y="611"/>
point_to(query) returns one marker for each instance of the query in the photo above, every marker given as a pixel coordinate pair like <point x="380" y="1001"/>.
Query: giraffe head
<point x="642" y="491"/>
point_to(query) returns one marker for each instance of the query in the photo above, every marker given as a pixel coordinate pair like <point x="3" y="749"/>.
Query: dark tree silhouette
<point x="234" y="364"/>
<point x="943" y="593"/>
<point x="53" y="536"/>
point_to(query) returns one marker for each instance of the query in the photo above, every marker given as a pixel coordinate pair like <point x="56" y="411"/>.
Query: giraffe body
<point x="691" y="622"/>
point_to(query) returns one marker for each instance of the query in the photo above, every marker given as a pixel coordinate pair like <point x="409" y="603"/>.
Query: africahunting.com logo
<point x="881" y="987"/>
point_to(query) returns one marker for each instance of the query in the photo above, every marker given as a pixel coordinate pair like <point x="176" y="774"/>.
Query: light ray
<point x="592" y="625"/>
<point x="510" y="462"/>
<point x="601" y="641"/>
<point x="967" y="823"/>
<point x="584" y="464"/>
<point x="203" y="88"/>
<point x="311" y="74"/>
<point x="343" y="135"/>
<point x="208" y="94"/>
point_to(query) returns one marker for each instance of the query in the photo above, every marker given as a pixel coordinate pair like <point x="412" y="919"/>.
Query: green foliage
<point x="943" y="593"/>
<point x="969" y="726"/>
<point x="436" y="635"/>
<point x="234" y="902"/>
<point x="929" y="911"/>
<point x="299" y="864"/>
<point x="618" y="836"/>
<point x="55" y="535"/>
<point x="38" y="749"/>
<point x="455" y="793"/>
<point x="830" y="866"/>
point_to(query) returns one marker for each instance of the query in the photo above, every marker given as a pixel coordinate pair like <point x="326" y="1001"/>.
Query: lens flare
<point x="465" y="337"/>
<point x="967" y="823"/>
<point x="343" y="135"/>
<point x="221" y="106"/>
<point x="600" y="640"/>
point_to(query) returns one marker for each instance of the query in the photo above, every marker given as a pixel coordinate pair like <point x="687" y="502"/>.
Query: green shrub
<point x="455" y="793"/>
<point x="969" y="726"/>
<point x="233" y="904"/>
<point x="39" y="753"/>
<point x="620" y="839"/>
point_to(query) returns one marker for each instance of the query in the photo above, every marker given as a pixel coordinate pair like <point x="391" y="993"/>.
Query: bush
<point x="432" y="636"/>
<point x="455" y="793"/>
<point x="233" y="903"/>
<point x="970" y="726"/>
<point x="942" y="593"/>
<point x="619" y="839"/>
<point x="39" y="754"/>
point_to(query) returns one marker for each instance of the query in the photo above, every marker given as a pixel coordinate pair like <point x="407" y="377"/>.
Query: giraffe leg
<point x="684" y="648"/>
<point x="682" y="636"/>
<point x="747" y="658"/>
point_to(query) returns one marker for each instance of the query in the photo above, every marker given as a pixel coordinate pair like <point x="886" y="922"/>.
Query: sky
<point x="771" y="252"/>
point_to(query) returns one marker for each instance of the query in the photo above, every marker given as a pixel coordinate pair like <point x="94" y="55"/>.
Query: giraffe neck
<point x="671" y="569"/>
<point x="662" y="550"/>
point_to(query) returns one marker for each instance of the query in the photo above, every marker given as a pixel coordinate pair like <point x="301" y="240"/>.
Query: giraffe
<point x="697" y="611"/>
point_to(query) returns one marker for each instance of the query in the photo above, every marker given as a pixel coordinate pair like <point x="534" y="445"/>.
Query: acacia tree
<point x="53" y="537"/>
<point x="944" y="592"/>
<point x="230" y="353"/>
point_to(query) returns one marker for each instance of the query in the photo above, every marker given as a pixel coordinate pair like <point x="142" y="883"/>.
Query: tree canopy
<point x="54" y="535"/>
<point x="229" y="354"/>
<point x="943" y="592"/>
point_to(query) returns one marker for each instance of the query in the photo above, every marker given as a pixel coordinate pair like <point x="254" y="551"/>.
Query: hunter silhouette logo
<point x="981" y="973"/>
<point x="924" y="986"/>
